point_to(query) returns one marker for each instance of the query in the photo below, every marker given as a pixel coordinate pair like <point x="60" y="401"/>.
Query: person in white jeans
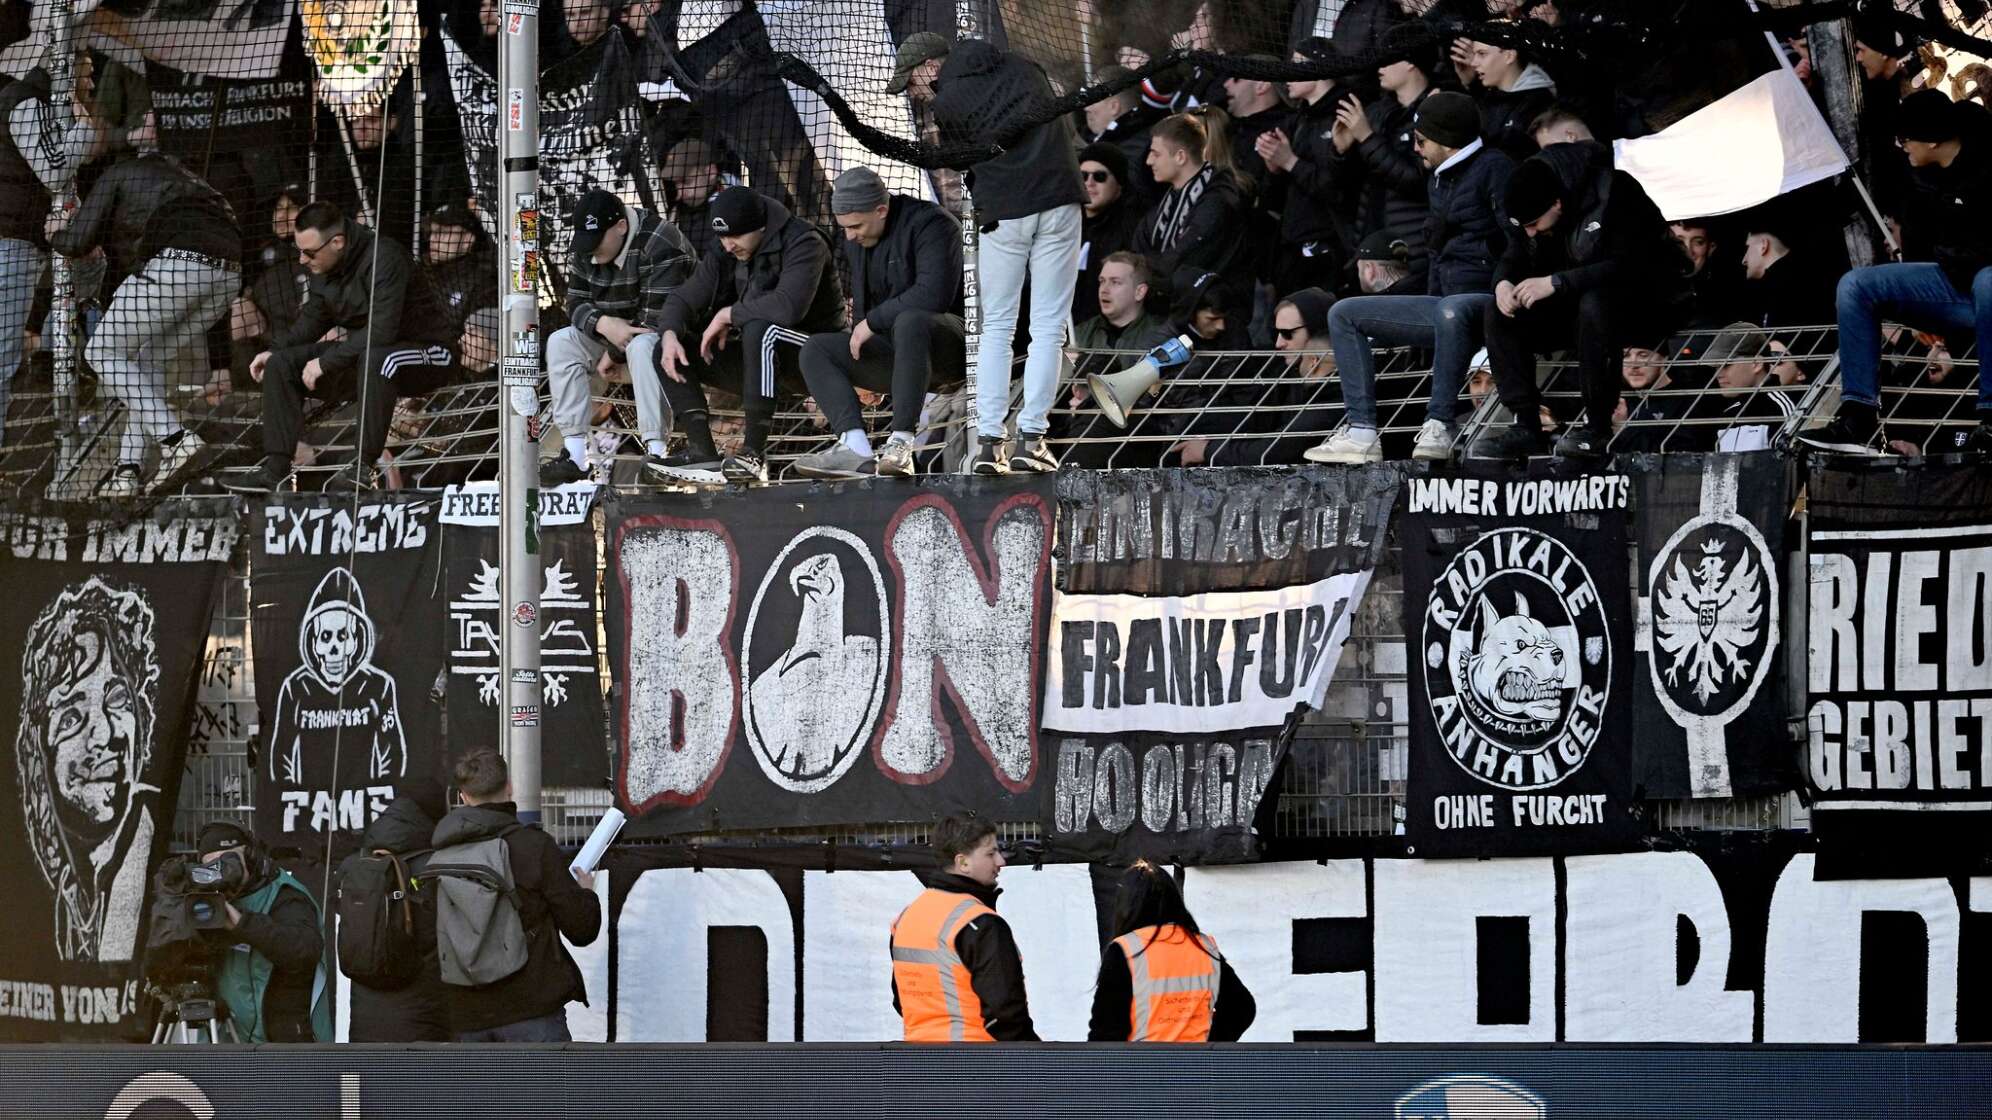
<point x="1045" y="247"/>
<point x="158" y="321"/>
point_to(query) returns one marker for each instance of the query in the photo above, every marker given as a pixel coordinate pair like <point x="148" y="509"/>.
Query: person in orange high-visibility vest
<point x="1161" y="978"/>
<point x="956" y="975"/>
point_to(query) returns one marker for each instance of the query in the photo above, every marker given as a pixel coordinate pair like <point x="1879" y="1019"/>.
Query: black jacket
<point x="551" y="904"/>
<point x="1113" y="1002"/>
<point x="995" y="970"/>
<point x="288" y="936"/>
<point x="469" y="283"/>
<point x="1317" y="196"/>
<point x="1465" y="230"/>
<point x="788" y="281"/>
<point x="1505" y="115"/>
<point x="24" y="201"/>
<point x="1389" y="177"/>
<point x="1359" y="26"/>
<point x="1200" y="226"/>
<point x="1947" y="217"/>
<point x="380" y="303"/>
<point x="1795" y="291"/>
<point x="1610" y="236"/>
<point x="419" y="1012"/>
<point x="1102" y="235"/>
<point x="145" y="203"/>
<point x="982" y="95"/>
<point x="916" y="265"/>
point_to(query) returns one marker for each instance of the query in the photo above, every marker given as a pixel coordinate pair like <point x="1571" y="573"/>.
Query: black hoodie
<point x="551" y="904"/>
<point x="982" y="95"/>
<point x="995" y="969"/>
<point x="419" y="1012"/>
<point x="381" y="295"/>
<point x="788" y="281"/>
<point x="1610" y="236"/>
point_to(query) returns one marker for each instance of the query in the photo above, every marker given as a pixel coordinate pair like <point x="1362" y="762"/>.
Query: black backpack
<point x="378" y="943"/>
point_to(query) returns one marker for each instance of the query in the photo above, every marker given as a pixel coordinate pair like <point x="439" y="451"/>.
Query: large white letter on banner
<point x="682" y="678"/>
<point x="1622" y="925"/>
<point x="661" y="977"/>
<point x="1427" y="947"/>
<point x="1251" y="911"/>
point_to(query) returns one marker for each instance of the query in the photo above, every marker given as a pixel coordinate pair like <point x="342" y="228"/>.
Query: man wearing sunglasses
<point x="398" y="340"/>
<point x="1110" y="215"/>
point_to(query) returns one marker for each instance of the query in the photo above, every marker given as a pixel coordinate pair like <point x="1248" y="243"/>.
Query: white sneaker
<point x="120" y="483"/>
<point x="1435" y="442"/>
<point x="1348" y="445"/>
<point x="173" y="457"/>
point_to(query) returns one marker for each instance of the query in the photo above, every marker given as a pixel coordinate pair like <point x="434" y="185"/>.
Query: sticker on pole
<point x="515" y="110"/>
<point x="525" y="614"/>
<point x="525" y="676"/>
<point x="525" y="400"/>
<point x="525" y="715"/>
<point x="521" y="373"/>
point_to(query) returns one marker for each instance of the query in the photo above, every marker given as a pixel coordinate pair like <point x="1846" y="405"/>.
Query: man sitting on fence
<point x="903" y="256"/>
<point x="399" y="341"/>
<point x="771" y="272"/>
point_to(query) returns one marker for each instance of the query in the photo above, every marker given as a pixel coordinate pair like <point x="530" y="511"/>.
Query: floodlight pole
<point x="518" y="213"/>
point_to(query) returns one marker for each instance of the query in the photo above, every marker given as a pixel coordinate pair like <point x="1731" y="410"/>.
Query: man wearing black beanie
<point x="771" y="270"/>
<point x="1109" y="216"/>
<point x="1947" y="221"/>
<point x="1589" y="261"/>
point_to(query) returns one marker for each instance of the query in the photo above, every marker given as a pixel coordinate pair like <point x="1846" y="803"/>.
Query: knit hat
<point x="1880" y="34"/>
<point x="1414" y="43"/>
<point x="1532" y="190"/>
<point x="856" y="190"/>
<point x="1927" y="115"/>
<point x="1108" y="156"/>
<point x="1314" y="48"/>
<point x="1384" y="246"/>
<point x="1449" y="119"/>
<point x="738" y="210"/>
<point x="1313" y="305"/>
<point x="593" y="216"/>
<point x="919" y="47"/>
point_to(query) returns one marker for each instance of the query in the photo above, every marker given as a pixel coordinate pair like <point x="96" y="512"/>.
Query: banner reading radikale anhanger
<point x="1199" y="613"/>
<point x="1516" y="606"/>
<point x="107" y="621"/>
<point x="1899" y="705"/>
<point x="845" y="654"/>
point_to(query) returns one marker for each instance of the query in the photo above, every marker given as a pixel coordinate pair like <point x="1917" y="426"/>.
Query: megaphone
<point x="1118" y="393"/>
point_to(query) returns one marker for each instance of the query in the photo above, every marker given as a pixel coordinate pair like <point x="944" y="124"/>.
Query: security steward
<point x="1161" y="978"/>
<point x="956" y="975"/>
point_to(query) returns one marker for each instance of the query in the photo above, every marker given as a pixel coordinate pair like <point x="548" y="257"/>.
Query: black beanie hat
<point x="1927" y="115"/>
<point x="1108" y="156"/>
<point x="1313" y="305"/>
<point x="1532" y="190"/>
<point x="1880" y="34"/>
<point x="1414" y="43"/>
<point x="738" y="210"/>
<point x="216" y="835"/>
<point x="1449" y="118"/>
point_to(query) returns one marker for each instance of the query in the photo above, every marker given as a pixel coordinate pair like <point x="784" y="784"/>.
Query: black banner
<point x="1899" y="635"/>
<point x="830" y="655"/>
<point x="349" y="633"/>
<point x="573" y="748"/>
<point x="1515" y="605"/>
<point x="1708" y="701"/>
<point x="1200" y="615"/>
<point x="110" y="621"/>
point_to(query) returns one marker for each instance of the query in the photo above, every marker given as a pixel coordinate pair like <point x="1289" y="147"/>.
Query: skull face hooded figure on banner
<point x="336" y="691"/>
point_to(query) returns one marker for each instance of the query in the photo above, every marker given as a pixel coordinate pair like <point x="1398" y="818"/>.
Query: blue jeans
<point x="1917" y="295"/>
<point x="1449" y="326"/>
<point x="546" y="1028"/>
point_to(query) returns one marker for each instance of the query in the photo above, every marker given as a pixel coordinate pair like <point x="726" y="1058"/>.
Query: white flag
<point x="1747" y="147"/>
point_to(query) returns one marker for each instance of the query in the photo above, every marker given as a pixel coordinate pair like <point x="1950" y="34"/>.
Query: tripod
<point x="189" y="1013"/>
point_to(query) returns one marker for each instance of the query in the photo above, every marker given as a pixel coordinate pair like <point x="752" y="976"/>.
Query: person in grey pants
<point x="626" y="262"/>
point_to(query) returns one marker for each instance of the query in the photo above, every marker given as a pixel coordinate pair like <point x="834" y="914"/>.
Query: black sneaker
<point x="989" y="457"/>
<point x="561" y="470"/>
<point x="273" y="475"/>
<point x="1511" y="444"/>
<point x="745" y="466"/>
<point x="1856" y="431"/>
<point x="690" y="461"/>
<point x="1581" y="445"/>
<point x="353" y="478"/>
<point x="1032" y="456"/>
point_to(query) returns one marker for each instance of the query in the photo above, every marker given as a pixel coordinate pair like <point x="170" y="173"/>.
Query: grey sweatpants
<point x="570" y="363"/>
<point x="157" y="322"/>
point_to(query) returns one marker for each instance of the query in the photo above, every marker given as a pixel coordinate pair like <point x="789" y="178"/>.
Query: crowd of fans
<point x="1459" y="199"/>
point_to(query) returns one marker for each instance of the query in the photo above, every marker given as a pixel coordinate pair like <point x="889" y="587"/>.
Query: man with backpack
<point x="387" y="925"/>
<point x="504" y="899"/>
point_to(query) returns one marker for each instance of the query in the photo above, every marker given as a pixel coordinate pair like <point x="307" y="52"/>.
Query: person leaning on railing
<point x="1945" y="287"/>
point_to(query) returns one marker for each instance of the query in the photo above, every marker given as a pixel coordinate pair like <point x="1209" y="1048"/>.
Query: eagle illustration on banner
<point x="1706" y="619"/>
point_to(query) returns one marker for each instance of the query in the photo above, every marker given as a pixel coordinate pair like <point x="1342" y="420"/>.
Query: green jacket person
<point x="269" y="964"/>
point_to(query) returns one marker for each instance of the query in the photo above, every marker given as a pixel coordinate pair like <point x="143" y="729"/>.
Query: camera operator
<point x="269" y="958"/>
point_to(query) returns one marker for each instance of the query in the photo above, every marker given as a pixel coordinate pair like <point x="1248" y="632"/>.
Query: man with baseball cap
<point x="903" y="256"/>
<point x="1947" y="220"/>
<point x="625" y="262"/>
<point x="770" y="271"/>
<point x="1590" y="261"/>
<point x="1462" y="238"/>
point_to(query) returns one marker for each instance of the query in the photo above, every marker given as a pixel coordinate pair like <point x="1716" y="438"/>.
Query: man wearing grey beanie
<point x="903" y="256"/>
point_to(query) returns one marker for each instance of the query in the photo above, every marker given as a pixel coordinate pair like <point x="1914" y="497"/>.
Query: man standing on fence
<point x="956" y="975"/>
<point x="398" y="341"/>
<point x="626" y="263"/>
<point x="904" y="259"/>
<point x="770" y="273"/>
<point x="1029" y="201"/>
<point x="174" y="239"/>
